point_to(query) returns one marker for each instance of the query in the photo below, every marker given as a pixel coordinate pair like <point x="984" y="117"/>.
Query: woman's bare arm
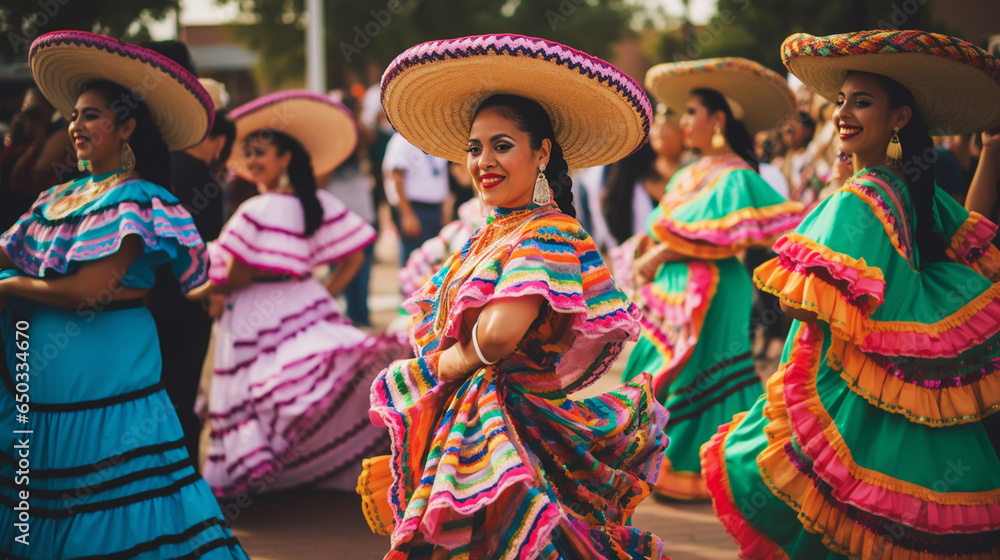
<point x="94" y="282"/>
<point x="347" y="267"/>
<point x="501" y="326"/>
<point x="982" y="196"/>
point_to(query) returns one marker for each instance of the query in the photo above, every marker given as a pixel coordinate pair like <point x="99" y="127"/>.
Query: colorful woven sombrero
<point x="956" y="85"/>
<point x="64" y="62"/>
<point x="759" y="97"/>
<point x="324" y="127"/>
<point x="431" y="91"/>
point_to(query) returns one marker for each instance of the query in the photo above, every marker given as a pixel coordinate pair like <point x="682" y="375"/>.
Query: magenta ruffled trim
<point x="982" y="326"/>
<point x="746" y="232"/>
<point x="976" y="243"/>
<point x="848" y="279"/>
<point x="906" y="509"/>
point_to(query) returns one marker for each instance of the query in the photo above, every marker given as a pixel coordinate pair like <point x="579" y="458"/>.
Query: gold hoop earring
<point x="542" y="194"/>
<point x="718" y="140"/>
<point x="894" y="151"/>
<point x="128" y="157"/>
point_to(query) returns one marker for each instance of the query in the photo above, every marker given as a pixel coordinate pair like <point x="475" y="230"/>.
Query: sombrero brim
<point x="431" y="91"/>
<point x="64" y="62"/>
<point x="325" y="128"/>
<point x="763" y="94"/>
<point x="955" y="84"/>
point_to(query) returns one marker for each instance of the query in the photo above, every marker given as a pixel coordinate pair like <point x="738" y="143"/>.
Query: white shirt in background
<point x="426" y="176"/>
<point x="775" y="178"/>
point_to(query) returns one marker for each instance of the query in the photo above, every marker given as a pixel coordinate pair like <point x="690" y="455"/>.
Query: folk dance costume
<point x="504" y="464"/>
<point x="287" y="403"/>
<point x="874" y="437"/>
<point x="109" y="473"/>
<point x="696" y="312"/>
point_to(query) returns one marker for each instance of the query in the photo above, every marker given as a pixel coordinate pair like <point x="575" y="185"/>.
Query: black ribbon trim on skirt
<point x="102" y="485"/>
<point x="99" y="465"/>
<point x="46" y="513"/>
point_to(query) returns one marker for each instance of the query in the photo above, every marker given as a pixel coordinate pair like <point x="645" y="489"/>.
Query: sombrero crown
<point x="64" y="62"/>
<point x="758" y="96"/>
<point x="431" y="91"/>
<point x="955" y="84"/>
<point x="325" y="128"/>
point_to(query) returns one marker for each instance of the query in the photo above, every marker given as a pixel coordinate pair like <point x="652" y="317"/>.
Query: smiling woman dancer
<point x="875" y="438"/>
<point x="491" y="458"/>
<point x="287" y="404"/>
<point x="695" y="295"/>
<point x="109" y="473"/>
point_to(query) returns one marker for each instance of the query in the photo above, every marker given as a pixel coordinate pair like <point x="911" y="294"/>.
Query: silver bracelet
<point x="475" y="346"/>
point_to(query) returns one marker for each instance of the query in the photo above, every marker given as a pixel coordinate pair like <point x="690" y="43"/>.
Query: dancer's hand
<point x="215" y="305"/>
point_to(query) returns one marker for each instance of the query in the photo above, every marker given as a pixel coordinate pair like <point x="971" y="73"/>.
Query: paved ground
<point x="313" y="525"/>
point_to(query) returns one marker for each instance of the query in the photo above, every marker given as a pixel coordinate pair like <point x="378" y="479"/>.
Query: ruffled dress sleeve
<point x="968" y="235"/>
<point x="730" y="212"/>
<point x="832" y="264"/>
<point x="41" y="246"/>
<point x="267" y="233"/>
<point x="555" y="258"/>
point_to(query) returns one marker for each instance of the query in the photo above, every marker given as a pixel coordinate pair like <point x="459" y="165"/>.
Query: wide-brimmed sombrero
<point x="325" y="128"/>
<point x="956" y="85"/>
<point x="431" y="91"/>
<point x="64" y="62"/>
<point x="759" y="97"/>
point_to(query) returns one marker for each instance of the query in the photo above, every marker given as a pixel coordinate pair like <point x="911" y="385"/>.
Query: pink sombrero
<point x="759" y="97"/>
<point x="431" y="91"/>
<point x="64" y="62"/>
<point x="325" y="128"/>
<point x="956" y="85"/>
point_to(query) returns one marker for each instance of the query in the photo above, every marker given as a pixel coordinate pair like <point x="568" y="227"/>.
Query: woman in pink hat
<point x="491" y="458"/>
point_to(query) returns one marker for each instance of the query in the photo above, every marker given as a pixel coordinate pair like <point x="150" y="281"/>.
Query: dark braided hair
<point x="917" y="146"/>
<point x="529" y="117"/>
<point x="736" y="133"/>
<point x="152" y="159"/>
<point x="300" y="174"/>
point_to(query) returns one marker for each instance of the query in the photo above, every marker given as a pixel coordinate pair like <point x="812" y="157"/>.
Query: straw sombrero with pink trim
<point x="431" y="91"/>
<point x="325" y="128"/>
<point x="758" y="96"/>
<point x="64" y="62"/>
<point x="956" y="85"/>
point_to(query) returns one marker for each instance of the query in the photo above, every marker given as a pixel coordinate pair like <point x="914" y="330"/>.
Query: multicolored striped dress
<point x="107" y="472"/>
<point x="505" y="464"/>
<point x="878" y="435"/>
<point x="287" y="404"/>
<point x="696" y="312"/>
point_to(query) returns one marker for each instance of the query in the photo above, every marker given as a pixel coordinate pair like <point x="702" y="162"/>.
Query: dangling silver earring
<point x="128" y="157"/>
<point x="542" y="194"/>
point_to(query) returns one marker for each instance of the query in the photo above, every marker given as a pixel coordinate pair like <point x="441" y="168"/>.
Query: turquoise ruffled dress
<point x="107" y="475"/>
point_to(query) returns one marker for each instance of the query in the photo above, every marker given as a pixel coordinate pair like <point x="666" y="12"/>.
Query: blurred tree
<point x="21" y="21"/>
<point x="755" y="28"/>
<point x="366" y="34"/>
